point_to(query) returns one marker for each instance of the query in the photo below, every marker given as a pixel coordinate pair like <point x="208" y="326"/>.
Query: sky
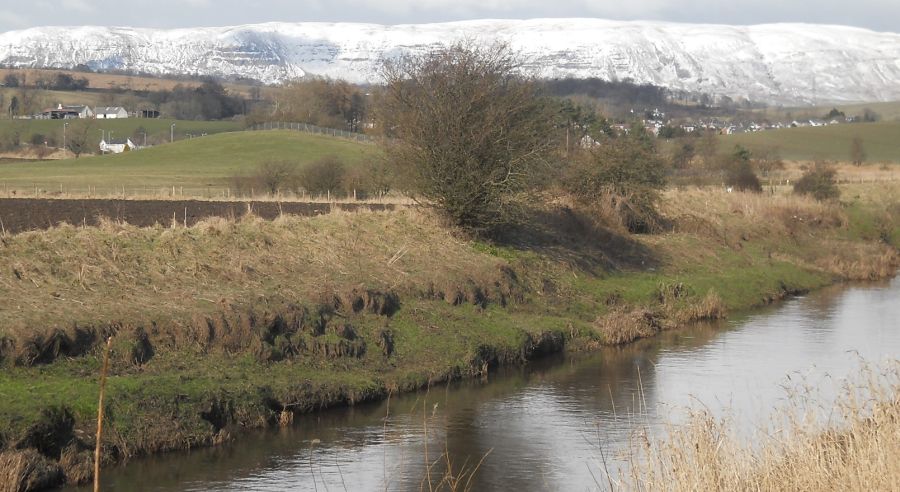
<point x="879" y="15"/>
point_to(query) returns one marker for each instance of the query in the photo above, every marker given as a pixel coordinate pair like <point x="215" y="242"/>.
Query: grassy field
<point x="888" y="111"/>
<point x="828" y="142"/>
<point x="157" y="129"/>
<point x="197" y="167"/>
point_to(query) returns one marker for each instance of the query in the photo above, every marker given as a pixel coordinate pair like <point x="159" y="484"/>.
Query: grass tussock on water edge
<point x="853" y="445"/>
<point x="676" y="308"/>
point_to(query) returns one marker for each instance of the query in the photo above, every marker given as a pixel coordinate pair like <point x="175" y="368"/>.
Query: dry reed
<point x="851" y="445"/>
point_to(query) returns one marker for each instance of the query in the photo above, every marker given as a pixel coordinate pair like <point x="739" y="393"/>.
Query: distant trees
<point x="11" y="80"/>
<point x="857" y="151"/>
<point x="465" y="130"/>
<point x="870" y="116"/>
<point x="60" y="81"/>
<point x="835" y="113"/>
<point x="322" y="102"/>
<point x="684" y="155"/>
<point x="708" y="149"/>
<point x="623" y="92"/>
<point x="209" y="101"/>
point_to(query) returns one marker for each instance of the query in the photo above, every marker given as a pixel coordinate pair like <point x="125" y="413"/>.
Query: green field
<point x="881" y="141"/>
<point x="158" y="130"/>
<point x="888" y="111"/>
<point x="202" y="166"/>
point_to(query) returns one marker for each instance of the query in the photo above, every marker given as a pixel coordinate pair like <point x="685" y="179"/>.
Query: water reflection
<point x="549" y="426"/>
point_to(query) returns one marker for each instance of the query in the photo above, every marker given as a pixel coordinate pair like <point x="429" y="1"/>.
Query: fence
<point x="313" y="129"/>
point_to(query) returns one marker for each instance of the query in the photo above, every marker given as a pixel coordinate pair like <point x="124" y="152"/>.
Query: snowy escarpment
<point x="775" y="63"/>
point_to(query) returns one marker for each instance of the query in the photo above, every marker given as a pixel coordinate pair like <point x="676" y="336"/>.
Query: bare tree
<point x="78" y="136"/>
<point x="708" y="149"/>
<point x="325" y="175"/>
<point x="857" y="152"/>
<point x="464" y="130"/>
<point x="13" y="108"/>
<point x="275" y="176"/>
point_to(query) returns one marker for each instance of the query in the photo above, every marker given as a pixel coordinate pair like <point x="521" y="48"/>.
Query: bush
<point x="739" y="172"/>
<point x="276" y="176"/>
<point x="620" y="179"/>
<point x="465" y="131"/>
<point x="324" y="176"/>
<point x="818" y="182"/>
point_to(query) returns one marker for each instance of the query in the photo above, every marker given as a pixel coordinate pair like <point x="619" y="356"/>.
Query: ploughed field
<point x="25" y="214"/>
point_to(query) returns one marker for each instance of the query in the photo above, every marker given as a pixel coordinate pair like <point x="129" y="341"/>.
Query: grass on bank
<point x="198" y="167"/>
<point x="831" y="142"/>
<point x="852" y="444"/>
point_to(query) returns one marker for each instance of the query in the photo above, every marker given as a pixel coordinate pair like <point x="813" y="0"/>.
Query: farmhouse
<point x="117" y="146"/>
<point x="108" y="113"/>
<point x="61" y="112"/>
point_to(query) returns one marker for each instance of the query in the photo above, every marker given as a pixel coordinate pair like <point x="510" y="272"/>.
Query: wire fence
<point x="313" y="129"/>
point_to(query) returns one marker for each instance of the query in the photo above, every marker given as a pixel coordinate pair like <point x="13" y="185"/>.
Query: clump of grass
<point x="624" y="325"/>
<point x="852" y="445"/>
<point x="870" y="264"/>
<point x="710" y="306"/>
<point x="28" y="470"/>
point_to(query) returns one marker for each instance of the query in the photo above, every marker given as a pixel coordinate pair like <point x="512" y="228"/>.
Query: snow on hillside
<point x="776" y="63"/>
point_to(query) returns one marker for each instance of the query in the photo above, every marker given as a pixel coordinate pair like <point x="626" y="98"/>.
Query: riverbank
<point x="235" y="324"/>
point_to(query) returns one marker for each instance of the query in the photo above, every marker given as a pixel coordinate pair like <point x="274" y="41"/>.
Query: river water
<point x="553" y="424"/>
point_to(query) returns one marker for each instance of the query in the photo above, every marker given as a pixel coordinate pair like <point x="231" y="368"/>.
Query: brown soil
<point x="25" y="214"/>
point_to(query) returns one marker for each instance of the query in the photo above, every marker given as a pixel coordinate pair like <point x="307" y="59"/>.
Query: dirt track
<point x="24" y="214"/>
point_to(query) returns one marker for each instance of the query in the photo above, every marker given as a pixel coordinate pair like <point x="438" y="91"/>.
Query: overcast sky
<point x="880" y="15"/>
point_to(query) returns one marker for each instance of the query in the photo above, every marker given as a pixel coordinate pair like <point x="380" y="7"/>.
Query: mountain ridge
<point x="784" y="63"/>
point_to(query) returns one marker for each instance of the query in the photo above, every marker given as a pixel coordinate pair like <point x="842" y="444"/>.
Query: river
<point x="552" y="424"/>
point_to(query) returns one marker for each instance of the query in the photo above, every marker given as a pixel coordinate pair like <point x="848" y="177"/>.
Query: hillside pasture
<point x="157" y="129"/>
<point x="880" y="141"/>
<point x="200" y="167"/>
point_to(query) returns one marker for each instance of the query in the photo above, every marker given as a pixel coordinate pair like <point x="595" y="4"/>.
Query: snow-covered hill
<point x="777" y="63"/>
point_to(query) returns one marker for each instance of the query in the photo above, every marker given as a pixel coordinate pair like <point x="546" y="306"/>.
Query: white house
<point x="108" y="113"/>
<point x="116" y="146"/>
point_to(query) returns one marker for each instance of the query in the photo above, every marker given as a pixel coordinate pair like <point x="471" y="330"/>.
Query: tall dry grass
<point x="851" y="445"/>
